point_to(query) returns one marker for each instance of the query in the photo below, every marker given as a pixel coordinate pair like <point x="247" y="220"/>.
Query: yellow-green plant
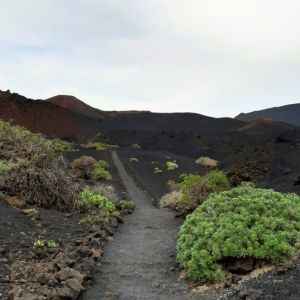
<point x="195" y="188"/>
<point x="242" y="222"/>
<point x="5" y="166"/>
<point x="157" y="170"/>
<point x="100" y="171"/>
<point x="171" y="165"/>
<point x="126" y="205"/>
<point x="89" y="199"/>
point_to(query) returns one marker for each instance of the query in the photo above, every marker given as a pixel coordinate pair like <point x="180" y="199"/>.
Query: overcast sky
<point x="214" y="57"/>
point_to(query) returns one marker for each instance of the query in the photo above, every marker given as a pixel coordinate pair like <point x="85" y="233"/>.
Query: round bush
<point x="195" y="188"/>
<point x="241" y="223"/>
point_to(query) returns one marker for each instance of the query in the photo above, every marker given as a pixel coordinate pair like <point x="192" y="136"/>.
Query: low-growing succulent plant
<point x="245" y="222"/>
<point x="100" y="171"/>
<point x="90" y="199"/>
<point x="157" y="170"/>
<point x="171" y="165"/>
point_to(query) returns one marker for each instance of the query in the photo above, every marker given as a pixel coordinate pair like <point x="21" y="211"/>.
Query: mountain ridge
<point x="285" y="113"/>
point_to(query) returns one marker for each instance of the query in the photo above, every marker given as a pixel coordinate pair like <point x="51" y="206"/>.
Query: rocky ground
<point x="143" y="170"/>
<point x="61" y="271"/>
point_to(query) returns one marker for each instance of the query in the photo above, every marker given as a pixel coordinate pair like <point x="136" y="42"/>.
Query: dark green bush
<point x="240" y="223"/>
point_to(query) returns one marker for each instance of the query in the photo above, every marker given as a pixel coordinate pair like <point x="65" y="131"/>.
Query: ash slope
<point x="287" y="113"/>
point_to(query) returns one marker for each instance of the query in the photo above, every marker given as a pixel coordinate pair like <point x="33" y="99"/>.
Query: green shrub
<point x="99" y="146"/>
<point x="157" y="170"/>
<point x="100" y="171"/>
<point x="171" y="165"/>
<point x="20" y="144"/>
<point x="126" y="205"/>
<point x="32" y="168"/>
<point x="195" y="189"/>
<point x="90" y="199"/>
<point x="103" y="164"/>
<point x="240" y="223"/>
<point x="5" y="167"/>
<point x="60" y="146"/>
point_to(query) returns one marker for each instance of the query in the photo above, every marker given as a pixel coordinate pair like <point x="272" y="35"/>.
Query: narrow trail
<point x="139" y="262"/>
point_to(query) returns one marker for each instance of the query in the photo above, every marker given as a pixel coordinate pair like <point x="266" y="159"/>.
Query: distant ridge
<point x="288" y="113"/>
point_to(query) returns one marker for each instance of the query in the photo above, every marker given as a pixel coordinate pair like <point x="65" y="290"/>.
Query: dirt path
<point x="140" y="263"/>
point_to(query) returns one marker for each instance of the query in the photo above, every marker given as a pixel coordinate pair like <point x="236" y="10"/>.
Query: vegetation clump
<point x="192" y="190"/>
<point x="100" y="171"/>
<point x="83" y="166"/>
<point x="245" y="222"/>
<point x="171" y="165"/>
<point x="126" y="206"/>
<point x="86" y="167"/>
<point x="100" y="138"/>
<point x="207" y="162"/>
<point x="196" y="188"/>
<point x="19" y="145"/>
<point x="47" y="186"/>
<point x="99" y="146"/>
<point x="89" y="199"/>
<point x="5" y="166"/>
<point x="42" y="248"/>
<point x="100" y="209"/>
<point x="157" y="170"/>
<point x="33" y="169"/>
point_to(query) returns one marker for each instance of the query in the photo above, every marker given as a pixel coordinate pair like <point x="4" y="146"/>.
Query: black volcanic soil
<point x="18" y="233"/>
<point x="143" y="171"/>
<point x="282" y="285"/>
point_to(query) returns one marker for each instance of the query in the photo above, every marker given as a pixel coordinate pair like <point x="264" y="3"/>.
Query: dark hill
<point x="288" y="114"/>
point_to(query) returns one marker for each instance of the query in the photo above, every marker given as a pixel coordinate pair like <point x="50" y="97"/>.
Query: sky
<point x="213" y="57"/>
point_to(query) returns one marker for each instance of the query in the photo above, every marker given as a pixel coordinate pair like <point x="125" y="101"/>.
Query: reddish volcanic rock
<point x="75" y="105"/>
<point x="38" y="115"/>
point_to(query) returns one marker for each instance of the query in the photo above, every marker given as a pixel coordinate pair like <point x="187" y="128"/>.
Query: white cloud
<point x="209" y="56"/>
